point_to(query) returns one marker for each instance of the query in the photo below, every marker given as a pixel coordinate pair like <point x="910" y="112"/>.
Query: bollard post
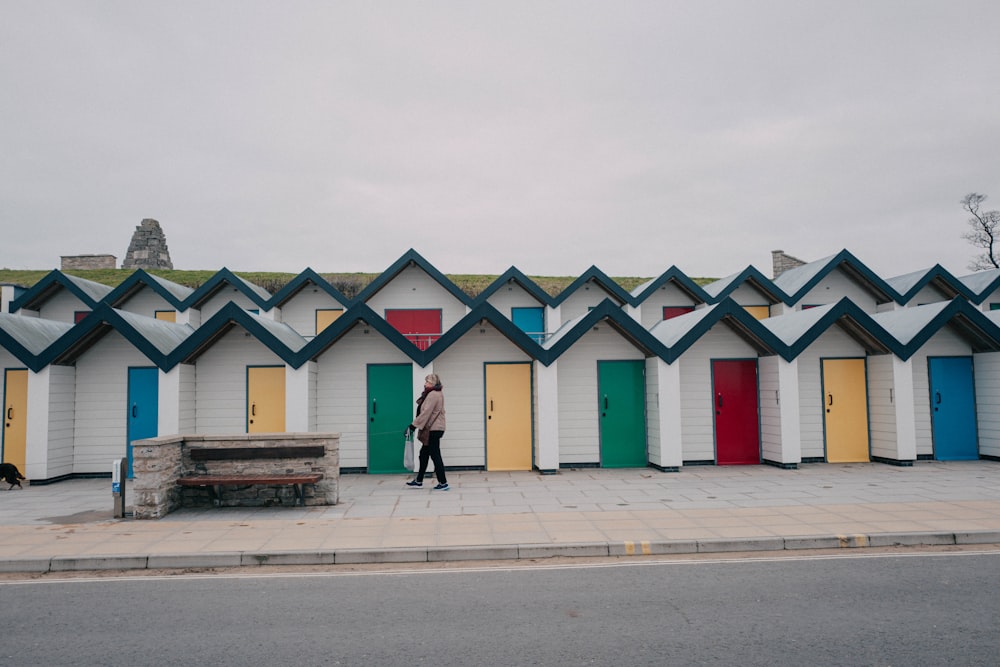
<point x="119" y="473"/>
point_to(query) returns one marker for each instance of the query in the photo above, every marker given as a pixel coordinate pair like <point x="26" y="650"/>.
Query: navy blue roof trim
<point x="607" y="310"/>
<point x="34" y="362"/>
<point x="300" y="282"/>
<point x="487" y="312"/>
<point x="855" y="270"/>
<point x="514" y="275"/>
<point x="136" y="282"/>
<point x="971" y="323"/>
<point x="678" y="277"/>
<point x="359" y="313"/>
<point x="218" y="282"/>
<point x="45" y="288"/>
<point x="942" y="280"/>
<point x="218" y="325"/>
<point x="860" y="326"/>
<point x="601" y="280"/>
<point x="731" y="314"/>
<point x="721" y="289"/>
<point x="412" y="257"/>
<point x="97" y="324"/>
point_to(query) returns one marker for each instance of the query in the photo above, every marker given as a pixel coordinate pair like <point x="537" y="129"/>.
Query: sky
<point x="546" y="135"/>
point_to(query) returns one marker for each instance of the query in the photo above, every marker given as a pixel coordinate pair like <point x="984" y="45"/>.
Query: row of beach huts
<point x="826" y="362"/>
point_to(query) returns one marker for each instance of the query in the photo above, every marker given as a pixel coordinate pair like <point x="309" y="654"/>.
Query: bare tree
<point x="984" y="232"/>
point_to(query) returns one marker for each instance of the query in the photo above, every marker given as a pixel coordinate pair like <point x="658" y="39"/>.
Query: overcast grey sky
<point x="550" y="136"/>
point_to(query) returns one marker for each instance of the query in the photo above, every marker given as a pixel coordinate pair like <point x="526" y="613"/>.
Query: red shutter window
<point x="420" y="326"/>
<point x="676" y="311"/>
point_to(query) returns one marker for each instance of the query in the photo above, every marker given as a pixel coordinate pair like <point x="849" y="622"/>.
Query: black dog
<point x="10" y="474"/>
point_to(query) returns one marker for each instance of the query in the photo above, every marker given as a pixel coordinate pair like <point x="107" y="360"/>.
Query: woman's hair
<point x="433" y="378"/>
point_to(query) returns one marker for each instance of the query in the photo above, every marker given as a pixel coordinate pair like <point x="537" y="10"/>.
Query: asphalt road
<point x="871" y="609"/>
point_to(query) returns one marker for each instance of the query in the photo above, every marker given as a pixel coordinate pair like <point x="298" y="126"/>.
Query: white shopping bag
<point x="408" y="452"/>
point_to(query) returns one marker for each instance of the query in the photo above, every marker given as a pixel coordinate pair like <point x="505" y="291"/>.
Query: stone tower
<point x="148" y="249"/>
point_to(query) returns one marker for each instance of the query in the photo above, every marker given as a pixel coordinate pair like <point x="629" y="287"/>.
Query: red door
<point x="421" y="326"/>
<point x="737" y="427"/>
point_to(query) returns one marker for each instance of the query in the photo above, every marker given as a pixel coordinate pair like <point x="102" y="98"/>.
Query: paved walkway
<point x="487" y="515"/>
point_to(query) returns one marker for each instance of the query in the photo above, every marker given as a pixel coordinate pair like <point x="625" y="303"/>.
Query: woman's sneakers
<point x="440" y="487"/>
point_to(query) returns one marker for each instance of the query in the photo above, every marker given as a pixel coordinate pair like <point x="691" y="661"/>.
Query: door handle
<point x="374" y="407"/>
<point x="937" y="396"/>
<point x="10" y="412"/>
<point x="718" y="400"/>
<point x="491" y="405"/>
<point x="605" y="401"/>
<point x="134" y="407"/>
<point x="829" y="399"/>
<point x="253" y="409"/>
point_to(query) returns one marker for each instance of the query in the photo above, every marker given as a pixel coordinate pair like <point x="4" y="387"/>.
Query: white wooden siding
<point x="146" y="302"/>
<point x="927" y="294"/>
<point x="987" y="373"/>
<point x="62" y="307"/>
<point x="945" y="343"/>
<point x="882" y="407"/>
<point x="748" y="295"/>
<point x="666" y="295"/>
<point x="188" y="399"/>
<point x="579" y="435"/>
<point x="833" y="343"/>
<point x="342" y="390"/>
<point x="462" y="372"/>
<point x="653" y="446"/>
<point x="582" y="300"/>
<point x="697" y="406"/>
<point x="221" y="381"/>
<point x="226" y="295"/>
<point x="835" y="286"/>
<point x="512" y="295"/>
<point x="299" y="312"/>
<point x="413" y="288"/>
<point x="770" y="409"/>
<point x="60" y="410"/>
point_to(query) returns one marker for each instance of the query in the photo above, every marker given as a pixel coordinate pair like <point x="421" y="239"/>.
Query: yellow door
<point x="845" y="403"/>
<point x="265" y="399"/>
<point x="508" y="416"/>
<point x="15" y="413"/>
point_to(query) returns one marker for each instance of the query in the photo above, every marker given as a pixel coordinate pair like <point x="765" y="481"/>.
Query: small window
<point x="79" y="315"/>
<point x="670" y="312"/>
<point x="807" y="306"/>
<point x="420" y="326"/>
<point x="326" y="316"/>
<point x="759" y="312"/>
<point x="995" y="306"/>
<point x="531" y="321"/>
<point x="166" y="315"/>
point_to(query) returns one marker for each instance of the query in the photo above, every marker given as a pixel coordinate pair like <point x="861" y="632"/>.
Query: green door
<point x="390" y="411"/>
<point x="621" y="389"/>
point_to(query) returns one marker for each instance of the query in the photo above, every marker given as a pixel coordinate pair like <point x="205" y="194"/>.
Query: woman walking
<point x="430" y="421"/>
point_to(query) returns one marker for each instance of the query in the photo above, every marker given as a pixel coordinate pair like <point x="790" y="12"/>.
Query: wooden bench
<point x="214" y="483"/>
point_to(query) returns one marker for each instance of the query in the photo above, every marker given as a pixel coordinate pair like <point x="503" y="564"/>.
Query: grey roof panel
<point x="789" y="328"/>
<point x="669" y="332"/>
<point x="95" y="291"/>
<point x="905" y="323"/>
<point x="980" y="280"/>
<point x="33" y="333"/>
<point x="164" y="336"/>
<point x="792" y="280"/>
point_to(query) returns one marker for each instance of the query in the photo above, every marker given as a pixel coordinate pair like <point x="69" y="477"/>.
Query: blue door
<point x="531" y="321"/>
<point x="143" y="399"/>
<point x="953" y="409"/>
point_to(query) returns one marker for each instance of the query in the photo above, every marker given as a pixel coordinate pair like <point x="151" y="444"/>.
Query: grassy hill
<point x="350" y="284"/>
